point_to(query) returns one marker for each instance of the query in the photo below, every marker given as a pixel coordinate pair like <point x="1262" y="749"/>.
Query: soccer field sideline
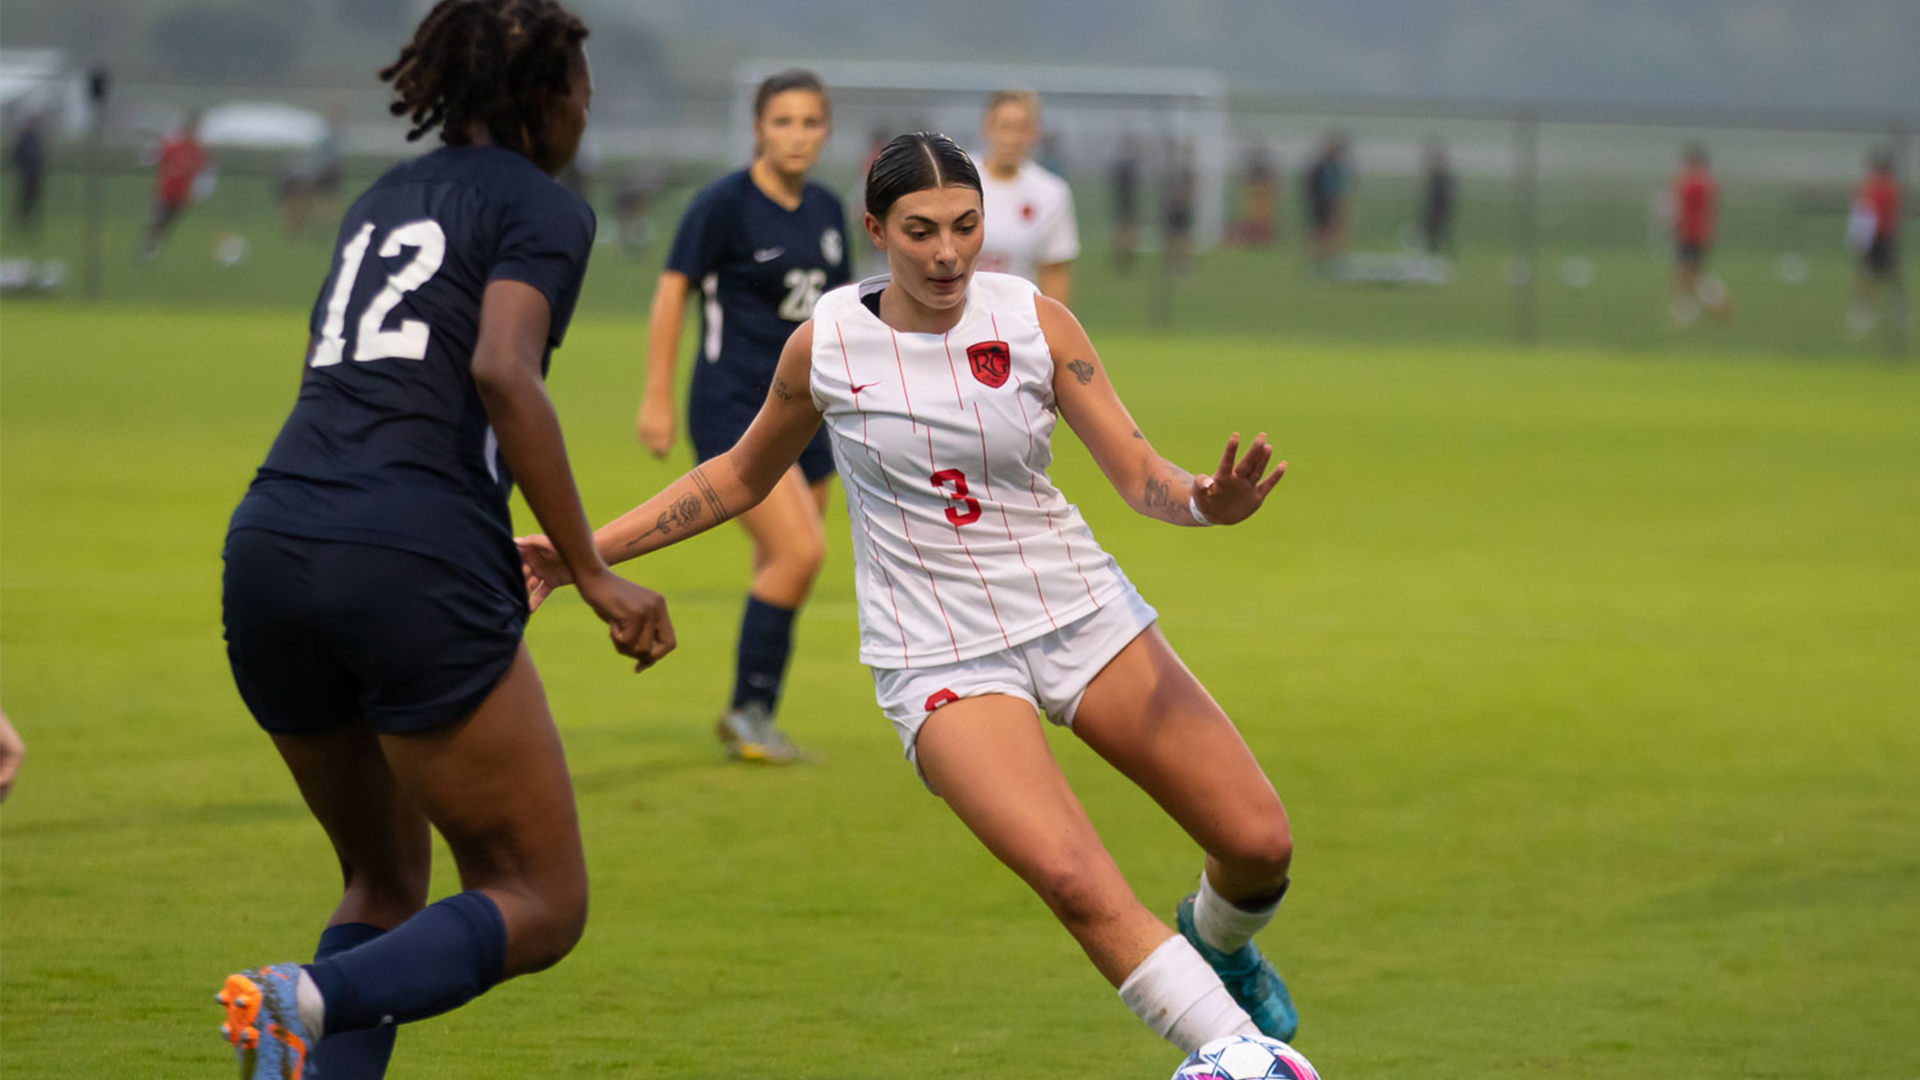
<point x="1589" y="683"/>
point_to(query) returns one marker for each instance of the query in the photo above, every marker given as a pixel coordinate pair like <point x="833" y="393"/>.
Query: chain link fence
<point x="1556" y="231"/>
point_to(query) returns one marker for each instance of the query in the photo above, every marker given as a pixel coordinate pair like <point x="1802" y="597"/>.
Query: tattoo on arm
<point x="684" y="511"/>
<point x="1162" y="494"/>
<point x="780" y="390"/>
<point x="1159" y="496"/>
<point x="712" y="496"/>
<point x="1081" y="370"/>
<point x="1137" y="435"/>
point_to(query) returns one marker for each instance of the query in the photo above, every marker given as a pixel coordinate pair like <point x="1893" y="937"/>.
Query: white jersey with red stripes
<point x="962" y="546"/>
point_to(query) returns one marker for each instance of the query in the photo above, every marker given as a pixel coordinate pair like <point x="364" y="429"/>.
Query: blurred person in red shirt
<point x="1873" y="232"/>
<point x="1696" y="209"/>
<point x="177" y="165"/>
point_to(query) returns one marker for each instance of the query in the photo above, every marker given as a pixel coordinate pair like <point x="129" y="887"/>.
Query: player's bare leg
<point x="789" y="541"/>
<point x="378" y="830"/>
<point x="1148" y="716"/>
<point x="987" y="757"/>
<point x="496" y="787"/>
<point x="384" y="844"/>
<point x="789" y="545"/>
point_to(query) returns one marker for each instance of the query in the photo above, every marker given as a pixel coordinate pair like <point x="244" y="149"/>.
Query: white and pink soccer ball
<point x="1246" y="1057"/>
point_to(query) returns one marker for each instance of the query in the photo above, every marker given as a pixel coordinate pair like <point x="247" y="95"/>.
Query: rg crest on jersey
<point x="962" y="545"/>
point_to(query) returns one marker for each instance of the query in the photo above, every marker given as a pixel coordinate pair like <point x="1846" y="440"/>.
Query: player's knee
<point x="1260" y="850"/>
<point x="803" y="556"/>
<point x="556" y="927"/>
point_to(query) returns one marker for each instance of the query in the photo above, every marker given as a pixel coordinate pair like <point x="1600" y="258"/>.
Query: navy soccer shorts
<point x="720" y="410"/>
<point x="321" y="633"/>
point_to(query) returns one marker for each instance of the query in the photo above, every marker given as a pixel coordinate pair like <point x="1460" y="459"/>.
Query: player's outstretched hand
<point x="654" y="426"/>
<point x="636" y="617"/>
<point x="1237" y="488"/>
<point x="543" y="568"/>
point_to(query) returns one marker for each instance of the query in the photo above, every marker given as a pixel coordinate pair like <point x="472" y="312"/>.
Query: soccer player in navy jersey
<point x="373" y="598"/>
<point x="761" y="245"/>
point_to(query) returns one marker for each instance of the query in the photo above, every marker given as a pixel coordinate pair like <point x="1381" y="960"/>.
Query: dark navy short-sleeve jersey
<point x="388" y="442"/>
<point x="759" y="268"/>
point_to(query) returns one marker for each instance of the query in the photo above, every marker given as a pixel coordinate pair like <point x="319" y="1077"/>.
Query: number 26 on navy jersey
<point x="373" y="339"/>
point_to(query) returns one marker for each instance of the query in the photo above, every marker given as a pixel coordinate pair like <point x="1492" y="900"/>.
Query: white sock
<point x="313" y="1007"/>
<point x="1175" y="993"/>
<point x="1224" y="924"/>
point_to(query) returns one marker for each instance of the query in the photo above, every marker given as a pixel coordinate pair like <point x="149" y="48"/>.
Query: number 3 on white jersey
<point x="373" y="341"/>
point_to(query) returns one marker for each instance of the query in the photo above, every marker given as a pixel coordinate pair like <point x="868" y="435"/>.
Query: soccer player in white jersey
<point x="1030" y="228"/>
<point x="985" y="602"/>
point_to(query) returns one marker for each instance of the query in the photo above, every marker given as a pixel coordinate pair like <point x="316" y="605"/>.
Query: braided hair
<point x="497" y="63"/>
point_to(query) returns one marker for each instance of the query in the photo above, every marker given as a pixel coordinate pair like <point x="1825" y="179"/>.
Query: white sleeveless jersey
<point x="962" y="546"/>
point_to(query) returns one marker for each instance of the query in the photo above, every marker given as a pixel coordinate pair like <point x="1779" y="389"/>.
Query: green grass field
<point x="1591" y="683"/>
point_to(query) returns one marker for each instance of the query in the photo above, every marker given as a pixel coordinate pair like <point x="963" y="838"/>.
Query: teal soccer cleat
<point x="1249" y="977"/>
<point x="263" y="1022"/>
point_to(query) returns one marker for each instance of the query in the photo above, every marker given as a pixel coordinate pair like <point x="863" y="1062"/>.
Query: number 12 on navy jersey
<point x="372" y="340"/>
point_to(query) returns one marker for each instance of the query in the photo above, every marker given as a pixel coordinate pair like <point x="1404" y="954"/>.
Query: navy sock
<point x="766" y="637"/>
<point x="351" y="1055"/>
<point x="438" y="960"/>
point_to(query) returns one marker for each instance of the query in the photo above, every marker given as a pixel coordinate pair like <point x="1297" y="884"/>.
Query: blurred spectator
<point x="177" y="166"/>
<point x="1329" y="183"/>
<point x="1696" y="208"/>
<point x="1258" y="224"/>
<point x="633" y="196"/>
<point x="28" y="156"/>
<point x="1177" y="199"/>
<point x="1126" y="204"/>
<point x="1031" y="230"/>
<point x="1873" y="231"/>
<point x="312" y="178"/>
<point x="11" y="751"/>
<point x="1437" y="202"/>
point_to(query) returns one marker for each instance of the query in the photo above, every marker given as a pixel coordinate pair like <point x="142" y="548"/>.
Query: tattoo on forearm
<point x="684" y="512"/>
<point x="780" y="390"/>
<point x="1159" y="497"/>
<point x="1137" y="435"/>
<point x="1081" y="370"/>
<point x="1162" y="498"/>
<point x="713" y="497"/>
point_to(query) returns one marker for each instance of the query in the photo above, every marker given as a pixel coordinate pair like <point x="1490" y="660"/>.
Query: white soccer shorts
<point x="1051" y="672"/>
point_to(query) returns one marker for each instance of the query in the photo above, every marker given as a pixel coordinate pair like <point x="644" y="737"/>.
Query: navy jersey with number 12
<point x="388" y="443"/>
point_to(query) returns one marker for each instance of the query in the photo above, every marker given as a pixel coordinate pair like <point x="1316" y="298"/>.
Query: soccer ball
<point x="1245" y="1057"/>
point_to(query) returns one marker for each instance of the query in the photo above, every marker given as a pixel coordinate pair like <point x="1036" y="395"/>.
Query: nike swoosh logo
<point x="768" y="254"/>
<point x="862" y="386"/>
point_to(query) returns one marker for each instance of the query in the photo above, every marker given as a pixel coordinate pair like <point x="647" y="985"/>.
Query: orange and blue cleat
<point x="263" y="1022"/>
